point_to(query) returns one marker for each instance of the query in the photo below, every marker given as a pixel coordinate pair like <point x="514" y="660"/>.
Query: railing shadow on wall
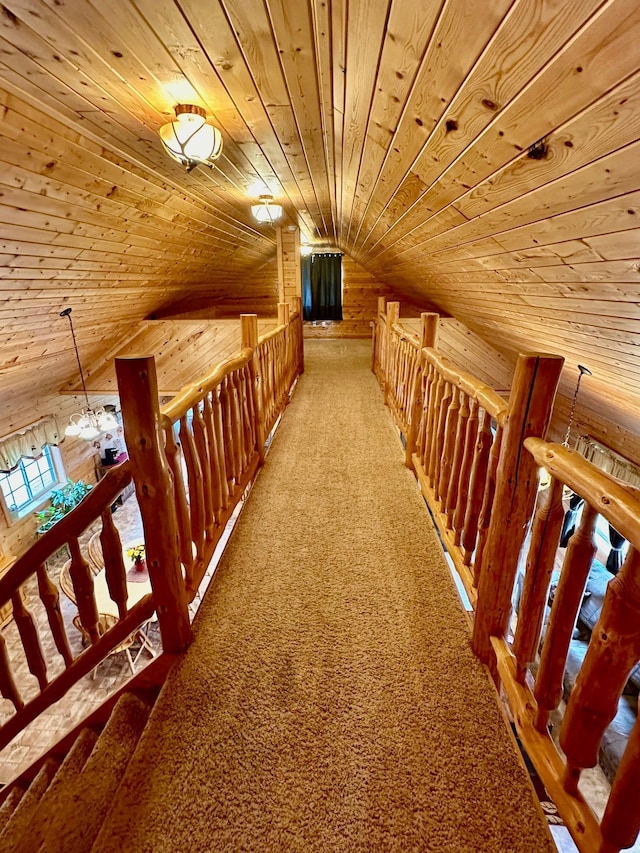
<point x="477" y="459"/>
<point x="191" y="463"/>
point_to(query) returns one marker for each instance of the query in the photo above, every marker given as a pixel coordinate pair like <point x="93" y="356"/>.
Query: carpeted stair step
<point x="28" y="838"/>
<point x="22" y="816"/>
<point x="81" y="808"/>
<point x="9" y="805"/>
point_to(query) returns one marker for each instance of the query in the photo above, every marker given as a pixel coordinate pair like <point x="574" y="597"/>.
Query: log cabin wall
<point x="476" y="157"/>
<point x="79" y="459"/>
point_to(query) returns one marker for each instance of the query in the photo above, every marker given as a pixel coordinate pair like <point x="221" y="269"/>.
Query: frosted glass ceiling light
<point x="266" y="211"/>
<point x="190" y="139"/>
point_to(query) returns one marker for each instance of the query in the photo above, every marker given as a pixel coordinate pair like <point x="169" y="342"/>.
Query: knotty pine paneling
<point x="476" y="157"/>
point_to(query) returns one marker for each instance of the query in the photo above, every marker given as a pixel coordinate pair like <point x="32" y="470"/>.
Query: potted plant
<point x="63" y="500"/>
<point x="137" y="554"/>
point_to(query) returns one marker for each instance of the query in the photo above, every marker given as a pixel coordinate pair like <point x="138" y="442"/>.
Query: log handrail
<point x="488" y="399"/>
<point x="215" y="430"/>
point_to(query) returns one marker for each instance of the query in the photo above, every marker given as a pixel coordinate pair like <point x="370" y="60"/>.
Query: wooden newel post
<point x="429" y="329"/>
<point x="530" y="405"/>
<point x="249" y="338"/>
<point x="393" y="315"/>
<point x="138" y="389"/>
<point x="296" y="303"/>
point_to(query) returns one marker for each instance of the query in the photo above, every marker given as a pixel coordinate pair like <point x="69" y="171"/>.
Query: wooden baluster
<point x="443" y="469"/>
<point x="393" y="313"/>
<point x="477" y="484"/>
<point x="115" y="572"/>
<point x="138" y="389"/>
<point x="488" y="498"/>
<point x="249" y="332"/>
<point x="432" y="432"/>
<point x="545" y="535"/>
<point x="621" y="821"/>
<point x="83" y="587"/>
<point x="573" y="578"/>
<point x="227" y="426"/>
<point x="172" y="452"/>
<point x="458" y="449"/>
<point x="220" y="436"/>
<point x="248" y="420"/>
<point x="194" y="481"/>
<point x="464" y="482"/>
<point x="530" y="404"/>
<point x="238" y="435"/>
<point x="425" y="388"/>
<point x="415" y="412"/>
<point x="283" y="320"/>
<point x="613" y="651"/>
<point x="200" y="439"/>
<point x="216" y="486"/>
<point x="50" y="597"/>
<point x="431" y="381"/>
<point x="30" y="640"/>
<point x="8" y="687"/>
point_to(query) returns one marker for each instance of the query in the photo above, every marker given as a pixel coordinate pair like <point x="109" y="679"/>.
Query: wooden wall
<point x="80" y="459"/>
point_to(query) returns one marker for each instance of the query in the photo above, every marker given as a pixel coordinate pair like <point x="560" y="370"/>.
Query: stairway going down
<point x="63" y="808"/>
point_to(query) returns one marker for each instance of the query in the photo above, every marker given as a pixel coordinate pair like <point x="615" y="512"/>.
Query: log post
<point x="530" y="405"/>
<point x="138" y="389"/>
<point x="429" y="331"/>
<point x="283" y="320"/>
<point x="393" y="314"/>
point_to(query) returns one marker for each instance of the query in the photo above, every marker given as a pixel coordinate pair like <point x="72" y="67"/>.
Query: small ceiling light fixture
<point x="88" y="423"/>
<point x="190" y="139"/>
<point x="582" y="371"/>
<point x="266" y="210"/>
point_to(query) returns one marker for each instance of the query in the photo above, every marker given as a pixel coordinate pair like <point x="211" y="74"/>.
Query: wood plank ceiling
<point x="483" y="156"/>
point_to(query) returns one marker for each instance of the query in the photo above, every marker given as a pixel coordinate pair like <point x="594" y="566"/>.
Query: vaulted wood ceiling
<point x="480" y="155"/>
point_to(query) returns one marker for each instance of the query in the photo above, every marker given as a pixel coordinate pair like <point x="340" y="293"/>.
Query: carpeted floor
<point x="330" y="701"/>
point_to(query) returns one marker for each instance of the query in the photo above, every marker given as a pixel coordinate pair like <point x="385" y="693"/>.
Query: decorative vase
<point x="140" y="564"/>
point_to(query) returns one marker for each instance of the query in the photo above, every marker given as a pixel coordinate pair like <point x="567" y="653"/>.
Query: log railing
<point x="534" y="684"/>
<point x="477" y="458"/>
<point x="191" y="463"/>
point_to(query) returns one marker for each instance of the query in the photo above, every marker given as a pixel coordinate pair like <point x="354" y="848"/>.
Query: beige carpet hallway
<point x="330" y="701"/>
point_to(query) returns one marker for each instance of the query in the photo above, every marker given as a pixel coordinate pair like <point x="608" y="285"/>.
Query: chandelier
<point x="88" y="423"/>
<point x="190" y="139"/>
<point x="266" y="210"/>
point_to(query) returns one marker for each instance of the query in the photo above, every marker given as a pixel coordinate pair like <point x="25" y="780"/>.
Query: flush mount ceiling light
<point x="88" y="423"/>
<point x="190" y="139"/>
<point x="266" y="210"/>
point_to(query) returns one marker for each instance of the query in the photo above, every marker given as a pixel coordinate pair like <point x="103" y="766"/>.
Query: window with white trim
<point x="28" y="485"/>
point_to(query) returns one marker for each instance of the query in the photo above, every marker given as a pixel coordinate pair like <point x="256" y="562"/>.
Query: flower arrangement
<point x="136" y="553"/>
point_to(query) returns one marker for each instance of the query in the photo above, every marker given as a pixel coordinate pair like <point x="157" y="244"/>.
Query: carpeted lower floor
<point x="330" y="700"/>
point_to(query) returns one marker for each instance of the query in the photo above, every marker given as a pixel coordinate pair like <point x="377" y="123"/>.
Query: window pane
<point x="16" y="479"/>
<point x="21" y="496"/>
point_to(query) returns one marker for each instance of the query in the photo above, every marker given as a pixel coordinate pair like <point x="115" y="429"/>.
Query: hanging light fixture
<point x="266" y="210"/>
<point x="582" y="371"/>
<point x="190" y="139"/>
<point x="88" y="423"/>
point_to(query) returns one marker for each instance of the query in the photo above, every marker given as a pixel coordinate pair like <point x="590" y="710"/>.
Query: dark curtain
<point x="305" y="265"/>
<point x="570" y="516"/>
<point x="614" y="560"/>
<point x="322" y="296"/>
